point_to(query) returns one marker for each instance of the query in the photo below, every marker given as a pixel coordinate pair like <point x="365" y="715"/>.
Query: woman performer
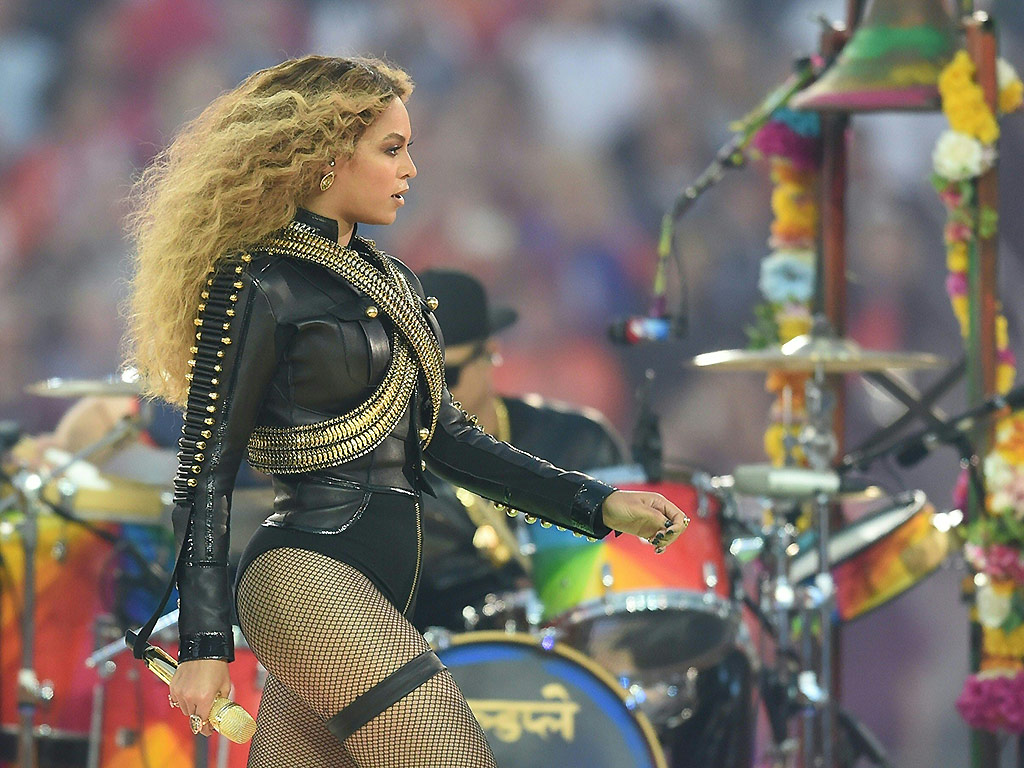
<point x="285" y="334"/>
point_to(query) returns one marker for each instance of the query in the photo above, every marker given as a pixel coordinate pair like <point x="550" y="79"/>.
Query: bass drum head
<point x="544" y="704"/>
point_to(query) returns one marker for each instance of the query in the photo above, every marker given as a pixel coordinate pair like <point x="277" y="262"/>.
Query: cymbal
<point x="811" y="353"/>
<point x="119" y="385"/>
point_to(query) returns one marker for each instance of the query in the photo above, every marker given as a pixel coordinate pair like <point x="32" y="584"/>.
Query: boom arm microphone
<point x="790" y="482"/>
<point x="226" y="717"/>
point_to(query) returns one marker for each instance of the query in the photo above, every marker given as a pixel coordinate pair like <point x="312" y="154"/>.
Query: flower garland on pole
<point x="791" y="143"/>
<point x="993" y="698"/>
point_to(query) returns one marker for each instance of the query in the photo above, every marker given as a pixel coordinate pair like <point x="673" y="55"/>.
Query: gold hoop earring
<point x="326" y="181"/>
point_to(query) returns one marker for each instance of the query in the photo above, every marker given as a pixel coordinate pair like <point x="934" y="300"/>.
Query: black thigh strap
<point x="392" y="688"/>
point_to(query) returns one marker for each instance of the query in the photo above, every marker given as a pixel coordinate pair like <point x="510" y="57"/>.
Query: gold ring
<point x="171" y="701"/>
<point x="196" y="723"/>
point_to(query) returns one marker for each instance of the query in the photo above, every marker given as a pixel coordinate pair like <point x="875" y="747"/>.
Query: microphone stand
<point x="952" y="431"/>
<point x="729" y="155"/>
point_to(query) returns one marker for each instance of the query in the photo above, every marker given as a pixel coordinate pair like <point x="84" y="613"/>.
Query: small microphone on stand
<point x="226" y="717"/>
<point x="639" y="329"/>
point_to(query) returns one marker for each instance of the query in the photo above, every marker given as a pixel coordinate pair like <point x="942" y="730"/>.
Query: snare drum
<point x="542" y="704"/>
<point x="653" y="621"/>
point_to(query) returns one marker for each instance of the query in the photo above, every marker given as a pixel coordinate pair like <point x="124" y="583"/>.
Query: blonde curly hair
<point x="230" y="177"/>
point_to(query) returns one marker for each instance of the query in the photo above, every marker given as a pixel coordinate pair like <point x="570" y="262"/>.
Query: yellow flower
<point x="999" y="643"/>
<point x="956" y="257"/>
<point x="1001" y="664"/>
<point x="1010" y="439"/>
<point x="960" y="310"/>
<point x="988" y="129"/>
<point x="962" y="61"/>
<point x="956" y="104"/>
<point x="1011" y="89"/>
<point x="1006" y="375"/>
<point x="783" y="172"/>
<point x="952" y="80"/>
<point x="1002" y="334"/>
<point x="775" y="447"/>
<point x="1011" y="97"/>
<point x="791" y="327"/>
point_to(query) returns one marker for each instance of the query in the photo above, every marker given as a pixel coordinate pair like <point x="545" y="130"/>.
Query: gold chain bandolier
<point x="305" y="448"/>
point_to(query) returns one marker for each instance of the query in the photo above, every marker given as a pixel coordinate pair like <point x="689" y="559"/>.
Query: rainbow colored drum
<point x="880" y="556"/>
<point x="654" y="621"/>
<point x="542" y="704"/>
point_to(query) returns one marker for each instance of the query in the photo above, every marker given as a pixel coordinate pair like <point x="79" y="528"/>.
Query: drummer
<point x="470" y="549"/>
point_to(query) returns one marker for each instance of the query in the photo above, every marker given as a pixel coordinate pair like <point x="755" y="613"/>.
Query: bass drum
<point x="542" y="704"/>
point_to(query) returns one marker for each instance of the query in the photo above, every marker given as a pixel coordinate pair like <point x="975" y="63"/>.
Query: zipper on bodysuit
<point x="419" y="555"/>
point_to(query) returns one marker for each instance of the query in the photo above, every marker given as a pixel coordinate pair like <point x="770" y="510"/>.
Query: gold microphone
<point x="226" y="717"/>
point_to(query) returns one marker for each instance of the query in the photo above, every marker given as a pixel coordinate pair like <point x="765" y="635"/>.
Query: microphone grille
<point x="232" y="721"/>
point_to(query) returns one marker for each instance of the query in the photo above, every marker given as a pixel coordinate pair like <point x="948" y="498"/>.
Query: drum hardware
<point x="28" y="498"/>
<point x="647" y="448"/>
<point x="710" y="576"/>
<point x="512" y="611"/>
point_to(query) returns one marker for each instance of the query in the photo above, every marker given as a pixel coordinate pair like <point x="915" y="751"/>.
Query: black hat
<point x="462" y="306"/>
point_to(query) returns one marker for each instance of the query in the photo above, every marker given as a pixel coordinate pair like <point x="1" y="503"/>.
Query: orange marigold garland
<point x="791" y="143"/>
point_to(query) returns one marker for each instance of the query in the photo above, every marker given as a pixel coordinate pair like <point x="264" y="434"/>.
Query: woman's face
<point x="369" y="186"/>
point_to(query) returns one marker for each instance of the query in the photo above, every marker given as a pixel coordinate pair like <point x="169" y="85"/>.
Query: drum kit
<point x="606" y="654"/>
<point x="732" y="623"/>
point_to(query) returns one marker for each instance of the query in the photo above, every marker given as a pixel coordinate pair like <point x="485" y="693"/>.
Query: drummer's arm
<point x="83" y="424"/>
<point x="464" y="454"/>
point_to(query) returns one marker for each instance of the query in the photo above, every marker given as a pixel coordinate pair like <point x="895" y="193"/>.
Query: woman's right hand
<point x="196" y="684"/>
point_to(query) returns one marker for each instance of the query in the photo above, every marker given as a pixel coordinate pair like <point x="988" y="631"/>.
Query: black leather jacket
<point x="302" y="349"/>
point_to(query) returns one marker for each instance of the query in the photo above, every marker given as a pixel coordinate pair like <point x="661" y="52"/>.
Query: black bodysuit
<point x="302" y="346"/>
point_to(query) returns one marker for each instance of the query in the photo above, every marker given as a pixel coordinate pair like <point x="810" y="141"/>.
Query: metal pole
<point x="982" y="301"/>
<point x="28" y="682"/>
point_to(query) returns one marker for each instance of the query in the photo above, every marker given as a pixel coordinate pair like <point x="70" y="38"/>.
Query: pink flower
<point x="999" y="561"/>
<point x="960" y="490"/>
<point x="956" y="284"/>
<point x="1003" y="562"/>
<point x="957" y="232"/>
<point x="1007" y="357"/>
<point x="993" y="702"/>
<point x="951" y="196"/>
<point x="777" y="139"/>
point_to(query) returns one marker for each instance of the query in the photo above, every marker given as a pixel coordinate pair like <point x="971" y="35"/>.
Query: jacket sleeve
<point x="464" y="454"/>
<point x="233" y="360"/>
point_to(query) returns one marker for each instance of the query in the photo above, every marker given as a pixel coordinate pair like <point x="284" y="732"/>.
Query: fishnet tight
<point x="326" y="635"/>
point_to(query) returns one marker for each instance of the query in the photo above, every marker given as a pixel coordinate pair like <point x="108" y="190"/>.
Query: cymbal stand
<point x="779" y="600"/>
<point x="820" y="447"/>
<point x="30" y="692"/>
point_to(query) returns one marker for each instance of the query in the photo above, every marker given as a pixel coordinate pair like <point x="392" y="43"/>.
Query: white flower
<point x="998" y="472"/>
<point x="993" y="607"/>
<point x="787" y="276"/>
<point x="958" y="156"/>
<point x="1005" y="73"/>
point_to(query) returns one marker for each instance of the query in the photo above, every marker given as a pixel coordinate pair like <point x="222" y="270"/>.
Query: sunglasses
<point x="453" y="372"/>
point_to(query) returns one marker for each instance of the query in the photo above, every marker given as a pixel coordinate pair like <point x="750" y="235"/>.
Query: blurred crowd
<point x="550" y="136"/>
